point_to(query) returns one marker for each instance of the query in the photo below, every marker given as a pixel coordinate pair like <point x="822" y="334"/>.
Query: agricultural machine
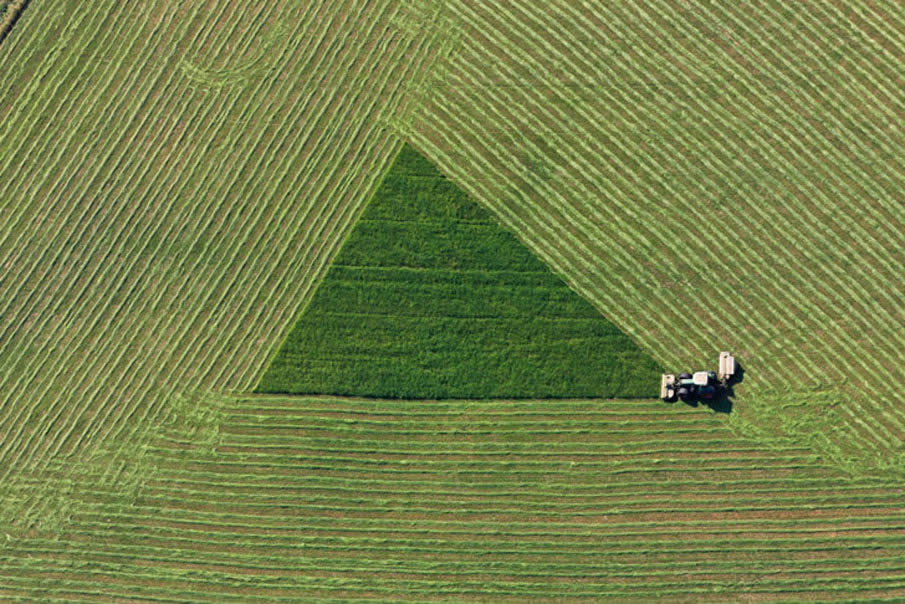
<point x="702" y="386"/>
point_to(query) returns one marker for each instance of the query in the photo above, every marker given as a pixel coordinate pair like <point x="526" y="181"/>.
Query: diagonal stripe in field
<point x="161" y="229"/>
<point x="710" y="178"/>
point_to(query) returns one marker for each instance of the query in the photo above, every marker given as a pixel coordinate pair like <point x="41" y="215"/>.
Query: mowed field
<point x="728" y="176"/>
<point x="307" y="499"/>
<point x="175" y="182"/>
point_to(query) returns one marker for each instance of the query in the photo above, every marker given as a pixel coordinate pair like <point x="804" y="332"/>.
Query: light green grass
<point x="710" y="177"/>
<point x="158" y="233"/>
<point x="174" y="181"/>
<point x="307" y="498"/>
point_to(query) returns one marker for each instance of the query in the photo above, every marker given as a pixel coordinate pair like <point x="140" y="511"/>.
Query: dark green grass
<point x="431" y="298"/>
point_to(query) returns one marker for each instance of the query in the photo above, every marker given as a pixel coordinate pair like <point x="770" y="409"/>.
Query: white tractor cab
<point x="702" y="386"/>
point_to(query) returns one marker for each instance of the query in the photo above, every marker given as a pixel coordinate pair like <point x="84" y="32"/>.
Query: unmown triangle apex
<point x="431" y="298"/>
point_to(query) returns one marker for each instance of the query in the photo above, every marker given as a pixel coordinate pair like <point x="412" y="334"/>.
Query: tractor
<point x="704" y="386"/>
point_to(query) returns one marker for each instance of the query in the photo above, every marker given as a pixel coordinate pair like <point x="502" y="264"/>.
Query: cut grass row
<point x="231" y="519"/>
<point x="157" y="216"/>
<point x="720" y="120"/>
<point x="282" y="499"/>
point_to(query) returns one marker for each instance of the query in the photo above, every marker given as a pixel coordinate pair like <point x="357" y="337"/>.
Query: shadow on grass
<point x="723" y="403"/>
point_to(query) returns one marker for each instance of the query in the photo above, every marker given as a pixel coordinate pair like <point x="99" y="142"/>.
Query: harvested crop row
<point x="695" y="172"/>
<point x="155" y="210"/>
<point x="227" y="517"/>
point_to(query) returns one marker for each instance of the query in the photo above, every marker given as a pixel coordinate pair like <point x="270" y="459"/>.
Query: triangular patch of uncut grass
<point x="430" y="297"/>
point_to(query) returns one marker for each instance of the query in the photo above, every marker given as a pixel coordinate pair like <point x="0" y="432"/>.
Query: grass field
<point x="728" y="176"/>
<point x="172" y="186"/>
<point x="177" y="178"/>
<point x="268" y="498"/>
<point x="430" y="298"/>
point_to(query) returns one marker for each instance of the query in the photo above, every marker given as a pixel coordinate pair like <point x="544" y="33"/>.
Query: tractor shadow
<point x="722" y="404"/>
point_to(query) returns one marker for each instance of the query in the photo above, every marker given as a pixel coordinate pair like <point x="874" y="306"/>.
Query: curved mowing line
<point x="121" y="239"/>
<point x="55" y="430"/>
<point x="459" y="569"/>
<point x="191" y="529"/>
<point x="22" y="422"/>
<point x="189" y="275"/>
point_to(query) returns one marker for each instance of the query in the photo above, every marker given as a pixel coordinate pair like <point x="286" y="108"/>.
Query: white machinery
<point x="700" y="385"/>
<point x="727" y="367"/>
